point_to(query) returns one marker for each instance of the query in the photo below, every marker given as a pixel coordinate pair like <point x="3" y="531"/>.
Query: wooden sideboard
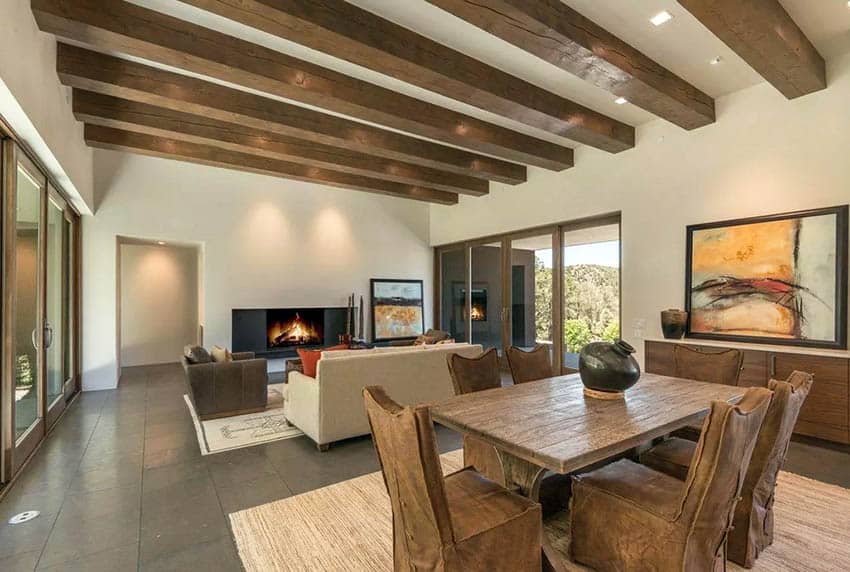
<point x="826" y="413"/>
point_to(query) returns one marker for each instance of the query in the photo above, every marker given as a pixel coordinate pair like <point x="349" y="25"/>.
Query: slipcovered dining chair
<point x="710" y="365"/>
<point x="629" y="517"/>
<point x="529" y="365"/>
<point x="753" y="523"/>
<point x="468" y="376"/>
<point x="460" y="522"/>
<point x="715" y="366"/>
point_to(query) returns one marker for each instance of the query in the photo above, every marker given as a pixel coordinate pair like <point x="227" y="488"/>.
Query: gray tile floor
<point x="121" y="483"/>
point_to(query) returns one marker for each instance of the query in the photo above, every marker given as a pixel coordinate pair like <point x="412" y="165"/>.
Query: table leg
<point x="524" y="478"/>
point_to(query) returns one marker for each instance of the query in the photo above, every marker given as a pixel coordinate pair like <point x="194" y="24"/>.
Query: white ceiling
<point x="683" y="45"/>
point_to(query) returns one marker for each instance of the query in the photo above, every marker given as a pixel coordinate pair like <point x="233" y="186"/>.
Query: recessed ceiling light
<point x="661" y="18"/>
<point x="716" y="60"/>
<point x="621" y="100"/>
<point x="160" y="242"/>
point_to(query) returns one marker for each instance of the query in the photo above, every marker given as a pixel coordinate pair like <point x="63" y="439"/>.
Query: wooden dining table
<point x="551" y="425"/>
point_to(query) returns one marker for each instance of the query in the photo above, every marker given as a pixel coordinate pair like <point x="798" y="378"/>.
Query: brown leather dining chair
<point x="753" y="522"/>
<point x="468" y="376"/>
<point x="709" y="365"/>
<point x="529" y="365"/>
<point x="460" y="522"/>
<point x="723" y="366"/>
<point x="628" y="517"/>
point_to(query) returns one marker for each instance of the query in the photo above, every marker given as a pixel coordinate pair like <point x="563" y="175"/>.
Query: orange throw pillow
<point x="310" y="359"/>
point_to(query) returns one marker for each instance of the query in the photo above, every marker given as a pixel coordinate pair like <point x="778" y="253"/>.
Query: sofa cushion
<point x="221" y="355"/>
<point x="196" y="354"/>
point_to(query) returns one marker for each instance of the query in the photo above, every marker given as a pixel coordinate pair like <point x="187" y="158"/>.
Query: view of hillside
<point x="591" y="304"/>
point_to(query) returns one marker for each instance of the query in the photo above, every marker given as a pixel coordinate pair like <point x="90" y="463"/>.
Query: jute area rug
<point x="239" y="431"/>
<point x="348" y="526"/>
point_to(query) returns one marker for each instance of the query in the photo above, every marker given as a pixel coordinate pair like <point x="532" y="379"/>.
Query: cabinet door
<point x="659" y="358"/>
<point x="825" y="413"/>
<point x="753" y="370"/>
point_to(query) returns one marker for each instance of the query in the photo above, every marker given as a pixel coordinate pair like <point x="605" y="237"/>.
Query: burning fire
<point x="477" y="313"/>
<point x="293" y="332"/>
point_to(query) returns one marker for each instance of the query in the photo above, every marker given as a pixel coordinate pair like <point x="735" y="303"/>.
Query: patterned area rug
<point x="228" y="433"/>
<point x="348" y="526"/>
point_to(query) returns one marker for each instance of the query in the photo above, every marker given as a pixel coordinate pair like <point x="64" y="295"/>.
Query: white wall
<point x="37" y="106"/>
<point x="158" y="302"/>
<point x="266" y="242"/>
<point x="764" y="155"/>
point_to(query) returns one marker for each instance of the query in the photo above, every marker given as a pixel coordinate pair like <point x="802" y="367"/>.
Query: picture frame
<point x="397" y="309"/>
<point x="775" y="279"/>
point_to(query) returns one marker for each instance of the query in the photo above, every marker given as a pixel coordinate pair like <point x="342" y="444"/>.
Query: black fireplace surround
<point x="279" y="332"/>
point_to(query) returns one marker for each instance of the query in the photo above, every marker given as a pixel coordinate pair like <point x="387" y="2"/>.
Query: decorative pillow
<point x="196" y="354"/>
<point x="310" y="359"/>
<point x="221" y="355"/>
<point x="448" y="341"/>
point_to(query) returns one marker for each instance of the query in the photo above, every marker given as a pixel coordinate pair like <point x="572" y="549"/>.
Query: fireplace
<point x="294" y="328"/>
<point x="279" y="332"/>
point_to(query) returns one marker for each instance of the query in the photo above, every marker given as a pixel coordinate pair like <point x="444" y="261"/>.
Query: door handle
<point x="48" y="335"/>
<point x="34" y="337"/>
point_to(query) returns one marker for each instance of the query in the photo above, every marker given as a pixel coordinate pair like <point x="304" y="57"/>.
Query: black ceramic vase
<point x="673" y="323"/>
<point x="608" y="366"/>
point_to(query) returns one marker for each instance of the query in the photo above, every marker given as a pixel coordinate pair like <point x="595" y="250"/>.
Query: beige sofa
<point x="330" y="407"/>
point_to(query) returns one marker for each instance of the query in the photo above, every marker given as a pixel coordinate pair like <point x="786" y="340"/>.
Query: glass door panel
<point x="57" y="301"/>
<point x="591" y="289"/>
<point x="27" y="392"/>
<point x="452" y="293"/>
<point x="487" y="314"/>
<point x="532" y="286"/>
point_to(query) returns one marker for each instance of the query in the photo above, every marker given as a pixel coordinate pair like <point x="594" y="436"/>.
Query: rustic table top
<point x="552" y="424"/>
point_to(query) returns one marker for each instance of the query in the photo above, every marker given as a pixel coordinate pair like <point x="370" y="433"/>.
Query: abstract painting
<point x="397" y="309"/>
<point x="774" y="279"/>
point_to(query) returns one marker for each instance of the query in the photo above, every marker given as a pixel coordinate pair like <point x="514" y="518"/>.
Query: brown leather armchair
<point x="628" y="517"/>
<point x="460" y="522"/>
<point x="468" y="376"/>
<point x="223" y="389"/>
<point x="529" y="365"/>
<point x="753" y="523"/>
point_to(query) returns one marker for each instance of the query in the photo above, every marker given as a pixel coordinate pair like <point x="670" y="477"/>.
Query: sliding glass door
<point x="591" y="292"/>
<point x="556" y="286"/>
<point x="486" y="302"/>
<point x="533" y="294"/>
<point x="25" y="243"/>
<point x="38" y="357"/>
<point x="57" y="314"/>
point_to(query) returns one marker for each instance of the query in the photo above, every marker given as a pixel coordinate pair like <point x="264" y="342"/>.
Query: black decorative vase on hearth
<point x="608" y="366"/>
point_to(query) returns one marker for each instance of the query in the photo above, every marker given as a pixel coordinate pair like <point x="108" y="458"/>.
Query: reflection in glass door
<point x="591" y="288"/>
<point x="532" y="290"/>
<point x="28" y="411"/>
<point x="57" y="304"/>
<point x="452" y="293"/>
<point x="488" y="314"/>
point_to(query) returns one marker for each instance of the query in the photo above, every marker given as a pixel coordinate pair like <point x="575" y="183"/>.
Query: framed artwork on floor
<point x="397" y="309"/>
<point x="777" y="279"/>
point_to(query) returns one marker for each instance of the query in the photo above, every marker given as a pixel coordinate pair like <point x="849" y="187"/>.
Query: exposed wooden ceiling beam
<point x="765" y="36"/>
<point x="558" y="34"/>
<point x="93" y="71"/>
<point x="107" y="111"/>
<point x="122" y="27"/>
<point x="345" y="31"/>
<point x="108" y="138"/>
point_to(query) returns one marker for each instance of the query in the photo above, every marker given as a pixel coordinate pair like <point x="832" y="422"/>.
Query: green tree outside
<point x="591" y="304"/>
